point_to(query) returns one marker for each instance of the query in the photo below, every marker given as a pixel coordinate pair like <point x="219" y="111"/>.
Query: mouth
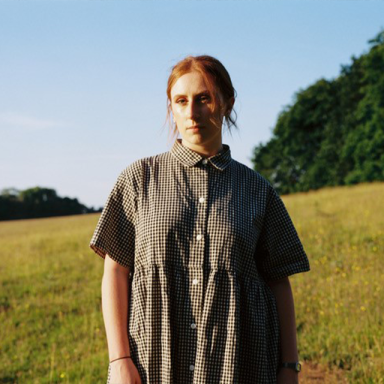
<point x="195" y="127"/>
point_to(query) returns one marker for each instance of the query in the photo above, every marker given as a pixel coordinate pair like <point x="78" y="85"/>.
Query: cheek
<point x="213" y="116"/>
<point x="178" y="119"/>
<point x="209" y="113"/>
<point x="176" y="112"/>
<point x="176" y="116"/>
<point x="216" y="121"/>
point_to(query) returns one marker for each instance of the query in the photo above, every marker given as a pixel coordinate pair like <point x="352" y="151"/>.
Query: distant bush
<point x="38" y="202"/>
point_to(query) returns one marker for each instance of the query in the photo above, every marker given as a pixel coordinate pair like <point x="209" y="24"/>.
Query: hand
<point x="124" y="371"/>
<point x="287" y="376"/>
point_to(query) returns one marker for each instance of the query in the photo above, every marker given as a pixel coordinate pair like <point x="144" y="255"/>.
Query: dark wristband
<point x="296" y="366"/>
<point x="124" y="357"/>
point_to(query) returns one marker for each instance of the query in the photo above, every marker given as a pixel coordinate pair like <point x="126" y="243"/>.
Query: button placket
<point x="198" y="251"/>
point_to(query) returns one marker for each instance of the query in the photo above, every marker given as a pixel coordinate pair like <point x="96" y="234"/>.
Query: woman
<point x="198" y="249"/>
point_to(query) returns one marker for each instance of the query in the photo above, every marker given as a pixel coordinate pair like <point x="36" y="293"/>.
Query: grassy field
<point x="50" y="291"/>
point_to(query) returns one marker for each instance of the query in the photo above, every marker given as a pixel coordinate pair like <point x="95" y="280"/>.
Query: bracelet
<point x="124" y="357"/>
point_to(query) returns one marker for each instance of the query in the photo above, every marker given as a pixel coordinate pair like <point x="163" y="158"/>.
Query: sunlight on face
<point x="199" y="126"/>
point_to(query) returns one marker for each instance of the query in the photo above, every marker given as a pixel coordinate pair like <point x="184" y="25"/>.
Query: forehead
<point x="189" y="84"/>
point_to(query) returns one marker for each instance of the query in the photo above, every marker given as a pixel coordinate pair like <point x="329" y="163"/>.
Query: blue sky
<point x="82" y="83"/>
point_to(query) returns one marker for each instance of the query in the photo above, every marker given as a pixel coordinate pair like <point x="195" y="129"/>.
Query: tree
<point x="333" y="132"/>
<point x="37" y="202"/>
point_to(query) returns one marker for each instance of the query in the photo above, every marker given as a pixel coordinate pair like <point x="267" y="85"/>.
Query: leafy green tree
<point x="333" y="132"/>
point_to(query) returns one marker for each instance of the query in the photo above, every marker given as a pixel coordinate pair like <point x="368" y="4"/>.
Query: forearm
<point x="115" y="294"/>
<point x="286" y="311"/>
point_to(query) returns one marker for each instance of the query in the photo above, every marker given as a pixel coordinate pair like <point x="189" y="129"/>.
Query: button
<point x="195" y="281"/>
<point x="205" y="161"/>
<point x="193" y="326"/>
<point x="191" y="367"/>
<point x="201" y="200"/>
<point x="198" y="237"/>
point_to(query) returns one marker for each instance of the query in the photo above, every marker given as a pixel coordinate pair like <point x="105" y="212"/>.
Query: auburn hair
<point x="218" y="82"/>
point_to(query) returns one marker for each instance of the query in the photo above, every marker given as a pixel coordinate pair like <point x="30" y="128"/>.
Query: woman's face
<point x="191" y="103"/>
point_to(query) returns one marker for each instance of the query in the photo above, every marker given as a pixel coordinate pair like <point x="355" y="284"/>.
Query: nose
<point x="193" y="110"/>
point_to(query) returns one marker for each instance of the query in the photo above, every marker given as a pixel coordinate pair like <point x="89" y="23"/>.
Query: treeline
<point x="38" y="202"/>
<point x="333" y="133"/>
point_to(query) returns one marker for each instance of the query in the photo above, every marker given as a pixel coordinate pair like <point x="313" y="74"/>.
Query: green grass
<point x="50" y="291"/>
<point x="340" y="303"/>
<point x="50" y="303"/>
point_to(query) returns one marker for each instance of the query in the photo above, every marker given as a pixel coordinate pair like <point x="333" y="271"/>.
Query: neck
<point x="201" y="150"/>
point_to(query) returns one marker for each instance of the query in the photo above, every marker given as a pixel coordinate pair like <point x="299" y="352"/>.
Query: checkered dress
<point x="201" y="237"/>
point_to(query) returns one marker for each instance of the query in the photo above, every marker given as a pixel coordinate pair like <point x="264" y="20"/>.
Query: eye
<point x="205" y="99"/>
<point x="181" y="101"/>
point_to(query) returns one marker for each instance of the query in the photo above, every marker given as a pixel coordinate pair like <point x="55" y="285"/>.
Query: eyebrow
<point x="204" y="93"/>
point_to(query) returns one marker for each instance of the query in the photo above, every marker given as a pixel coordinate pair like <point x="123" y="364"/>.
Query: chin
<point x="197" y="141"/>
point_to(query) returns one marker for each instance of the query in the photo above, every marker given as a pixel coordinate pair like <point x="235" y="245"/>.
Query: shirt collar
<point x="191" y="158"/>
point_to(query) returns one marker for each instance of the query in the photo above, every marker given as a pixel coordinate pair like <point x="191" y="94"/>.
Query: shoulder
<point x="246" y="171"/>
<point x="155" y="160"/>
<point x="254" y="178"/>
<point x="135" y="171"/>
<point x="148" y="161"/>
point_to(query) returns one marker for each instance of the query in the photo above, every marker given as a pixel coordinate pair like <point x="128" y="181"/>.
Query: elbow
<point x="278" y="283"/>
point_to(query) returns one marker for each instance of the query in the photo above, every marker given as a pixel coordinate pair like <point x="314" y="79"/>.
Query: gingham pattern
<point x="200" y="241"/>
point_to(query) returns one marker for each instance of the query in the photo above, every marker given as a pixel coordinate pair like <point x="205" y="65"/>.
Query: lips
<point x="195" y="129"/>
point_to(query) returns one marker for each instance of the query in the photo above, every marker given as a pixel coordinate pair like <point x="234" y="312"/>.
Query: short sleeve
<point x="279" y="252"/>
<point x="115" y="231"/>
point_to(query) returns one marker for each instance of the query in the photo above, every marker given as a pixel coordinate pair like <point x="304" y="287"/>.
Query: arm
<point x="286" y="311"/>
<point x="115" y="293"/>
<point x="115" y="301"/>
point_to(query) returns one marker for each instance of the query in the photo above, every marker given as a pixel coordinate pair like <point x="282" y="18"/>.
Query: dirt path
<point x="313" y="374"/>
